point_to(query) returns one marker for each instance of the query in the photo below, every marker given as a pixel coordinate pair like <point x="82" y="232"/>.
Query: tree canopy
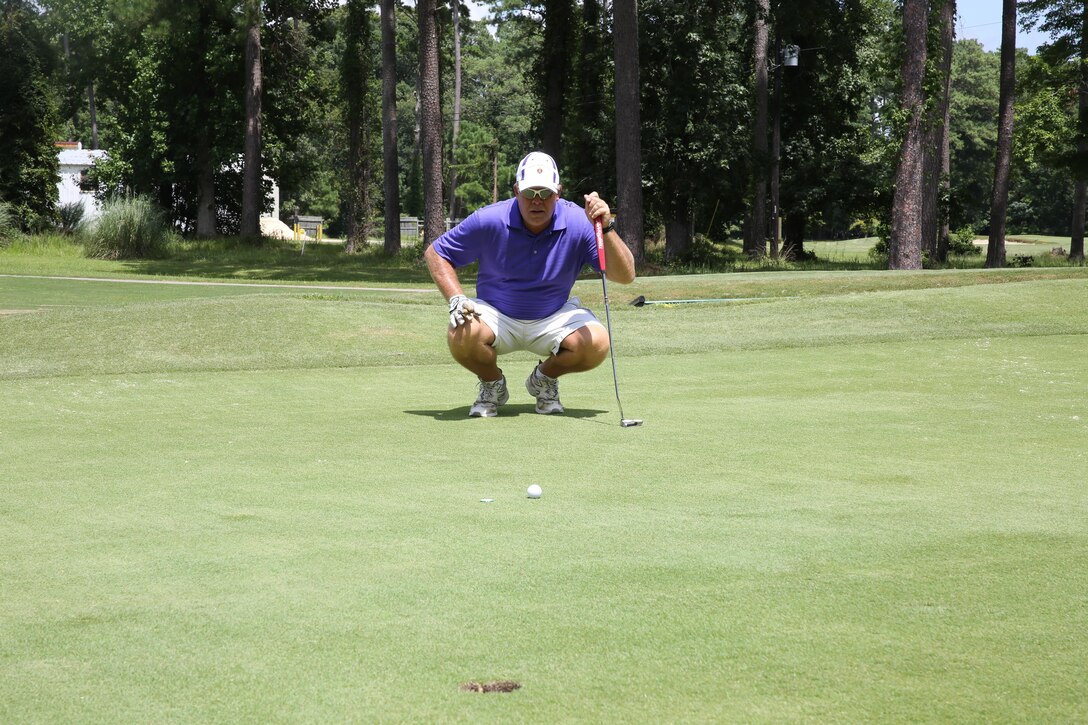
<point x="159" y="85"/>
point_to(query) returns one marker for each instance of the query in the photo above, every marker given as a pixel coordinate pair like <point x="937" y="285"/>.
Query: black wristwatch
<point x="610" y="226"/>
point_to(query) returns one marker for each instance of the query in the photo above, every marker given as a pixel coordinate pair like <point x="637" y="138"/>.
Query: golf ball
<point x="534" y="491"/>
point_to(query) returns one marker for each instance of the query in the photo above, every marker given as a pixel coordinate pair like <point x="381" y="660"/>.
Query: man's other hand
<point x="461" y="309"/>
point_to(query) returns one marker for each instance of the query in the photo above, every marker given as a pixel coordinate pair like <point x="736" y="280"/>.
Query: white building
<point x="75" y="162"/>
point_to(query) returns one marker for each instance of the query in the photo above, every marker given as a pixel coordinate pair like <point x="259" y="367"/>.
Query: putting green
<point x="867" y="508"/>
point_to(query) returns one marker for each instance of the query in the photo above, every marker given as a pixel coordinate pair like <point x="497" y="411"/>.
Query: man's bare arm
<point x="443" y="273"/>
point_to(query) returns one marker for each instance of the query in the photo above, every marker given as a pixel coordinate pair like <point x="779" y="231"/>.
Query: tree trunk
<point x="755" y="241"/>
<point x="586" y="156"/>
<point x="414" y="200"/>
<point x="776" y="150"/>
<point x="931" y="172"/>
<point x="558" y="26"/>
<point x="628" y="128"/>
<point x="205" y="210"/>
<point x="356" y="72"/>
<point x="995" y="251"/>
<point x="948" y="42"/>
<point x="1076" y="242"/>
<point x="904" y="247"/>
<point x="494" y="171"/>
<point x="93" y="111"/>
<point x="431" y="123"/>
<point x="251" y="169"/>
<point x="67" y="51"/>
<point x="678" y="236"/>
<point x="936" y="132"/>
<point x="793" y="245"/>
<point x="455" y="6"/>
<point x="68" y="76"/>
<point x="389" y="127"/>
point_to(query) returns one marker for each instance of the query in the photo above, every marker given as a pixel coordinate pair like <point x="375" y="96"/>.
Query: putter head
<point x="630" y="422"/>
<point x="638" y="301"/>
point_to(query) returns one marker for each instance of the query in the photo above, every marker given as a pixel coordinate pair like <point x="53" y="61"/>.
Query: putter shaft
<point x="624" y="422"/>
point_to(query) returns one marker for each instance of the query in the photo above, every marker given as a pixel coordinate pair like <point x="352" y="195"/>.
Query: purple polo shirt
<point x="525" y="276"/>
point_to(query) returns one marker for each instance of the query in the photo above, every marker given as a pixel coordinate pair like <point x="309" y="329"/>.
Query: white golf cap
<point x="538" y="170"/>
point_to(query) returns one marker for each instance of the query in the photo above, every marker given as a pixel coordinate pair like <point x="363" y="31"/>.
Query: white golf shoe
<point x="491" y="396"/>
<point x="545" y="390"/>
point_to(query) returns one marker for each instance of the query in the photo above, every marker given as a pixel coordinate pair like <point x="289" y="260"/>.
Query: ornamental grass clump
<point x="71" y="216"/>
<point x="128" y="228"/>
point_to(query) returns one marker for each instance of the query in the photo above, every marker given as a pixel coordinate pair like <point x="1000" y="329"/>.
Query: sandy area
<point x="276" y="229"/>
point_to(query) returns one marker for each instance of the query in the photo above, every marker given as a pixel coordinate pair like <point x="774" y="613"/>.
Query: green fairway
<point x="846" y="250"/>
<point x="857" y="498"/>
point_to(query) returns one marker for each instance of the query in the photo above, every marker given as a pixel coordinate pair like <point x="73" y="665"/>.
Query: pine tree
<point x="995" y="252"/>
<point x="430" y="122"/>
<point x="905" y="244"/>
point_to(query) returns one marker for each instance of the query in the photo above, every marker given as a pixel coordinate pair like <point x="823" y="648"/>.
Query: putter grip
<point x="600" y="242"/>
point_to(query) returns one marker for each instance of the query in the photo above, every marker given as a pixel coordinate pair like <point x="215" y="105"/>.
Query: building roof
<point x="80" y="157"/>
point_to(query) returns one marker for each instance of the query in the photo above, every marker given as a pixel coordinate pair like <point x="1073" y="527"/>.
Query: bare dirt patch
<point x="496" y="686"/>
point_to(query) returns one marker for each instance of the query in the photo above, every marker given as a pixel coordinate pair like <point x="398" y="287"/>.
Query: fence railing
<point x="411" y="228"/>
<point x="311" y="225"/>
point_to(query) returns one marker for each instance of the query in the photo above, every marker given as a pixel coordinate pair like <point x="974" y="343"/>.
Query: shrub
<point x="71" y="216"/>
<point x="128" y="228"/>
<point x="878" y="253"/>
<point x="869" y="227"/>
<point x="9" y="227"/>
<point x="963" y="242"/>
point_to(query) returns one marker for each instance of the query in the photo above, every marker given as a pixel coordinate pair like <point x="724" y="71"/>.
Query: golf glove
<point x="461" y="308"/>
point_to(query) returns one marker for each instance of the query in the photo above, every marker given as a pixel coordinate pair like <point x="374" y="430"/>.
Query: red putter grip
<point x="600" y="242"/>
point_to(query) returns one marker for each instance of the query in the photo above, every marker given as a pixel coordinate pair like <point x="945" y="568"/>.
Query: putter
<point x="624" y="422"/>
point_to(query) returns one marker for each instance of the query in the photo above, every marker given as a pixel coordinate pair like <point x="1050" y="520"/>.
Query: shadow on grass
<point x="508" y="411"/>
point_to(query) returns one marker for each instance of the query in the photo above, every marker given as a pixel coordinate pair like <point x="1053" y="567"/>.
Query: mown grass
<point x="128" y="328"/>
<point x="224" y="258"/>
<point x="228" y="258"/>
<point x="858" y="498"/>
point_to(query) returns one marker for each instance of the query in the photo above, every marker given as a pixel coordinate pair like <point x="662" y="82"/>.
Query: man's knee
<point x="600" y="343"/>
<point x="590" y="343"/>
<point x="470" y="339"/>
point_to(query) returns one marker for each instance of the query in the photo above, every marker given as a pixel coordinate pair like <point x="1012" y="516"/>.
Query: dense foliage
<point x="159" y="85"/>
<point x="28" y="106"/>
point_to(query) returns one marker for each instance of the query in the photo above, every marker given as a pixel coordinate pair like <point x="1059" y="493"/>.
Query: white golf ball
<point x="534" y="491"/>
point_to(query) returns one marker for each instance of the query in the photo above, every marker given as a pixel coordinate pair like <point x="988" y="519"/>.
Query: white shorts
<point x="541" y="337"/>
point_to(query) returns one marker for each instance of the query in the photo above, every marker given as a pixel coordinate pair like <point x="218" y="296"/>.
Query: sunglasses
<point x="537" y="193"/>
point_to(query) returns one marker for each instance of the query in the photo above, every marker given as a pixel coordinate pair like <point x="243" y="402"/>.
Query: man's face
<point x="536" y="213"/>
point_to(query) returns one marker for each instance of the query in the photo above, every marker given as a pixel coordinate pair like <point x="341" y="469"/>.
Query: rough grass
<point x="237" y="505"/>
